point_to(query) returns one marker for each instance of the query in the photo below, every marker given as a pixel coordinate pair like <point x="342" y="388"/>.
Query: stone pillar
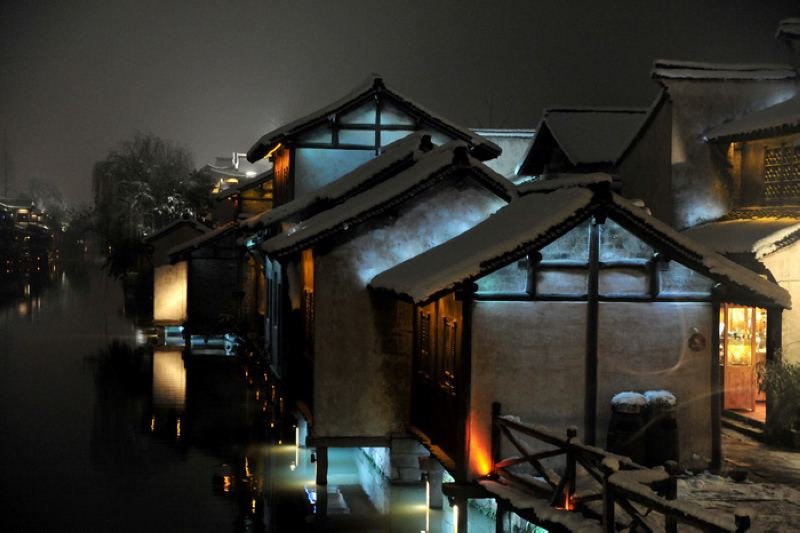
<point x="405" y="452"/>
<point x="435" y="473"/>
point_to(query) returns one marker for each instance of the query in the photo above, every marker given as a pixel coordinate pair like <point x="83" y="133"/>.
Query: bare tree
<point x="139" y="188"/>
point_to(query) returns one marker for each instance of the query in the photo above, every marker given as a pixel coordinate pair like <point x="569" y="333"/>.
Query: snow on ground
<point x="771" y="490"/>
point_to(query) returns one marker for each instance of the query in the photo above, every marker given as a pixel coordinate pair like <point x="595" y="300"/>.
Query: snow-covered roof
<point x="245" y="184"/>
<point x="533" y="221"/>
<point x="430" y="168"/>
<point x="788" y="29"/>
<point x="174" y="226"/>
<point x="202" y="240"/>
<point x="757" y="236"/>
<point x="586" y="136"/>
<point x="481" y="148"/>
<point x="394" y="158"/>
<point x="779" y="119"/>
<point x="691" y="70"/>
<point x="563" y="181"/>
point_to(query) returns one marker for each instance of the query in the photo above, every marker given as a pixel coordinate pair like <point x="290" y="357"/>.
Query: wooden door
<point x="742" y="338"/>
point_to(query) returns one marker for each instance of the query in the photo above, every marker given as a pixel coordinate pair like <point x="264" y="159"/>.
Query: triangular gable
<point x="531" y="222"/>
<point x="587" y="136"/>
<point x="779" y="119"/>
<point x="177" y="252"/>
<point x="431" y="168"/>
<point x="395" y="158"/>
<point x="480" y="148"/>
<point x="650" y="115"/>
<point x="174" y="226"/>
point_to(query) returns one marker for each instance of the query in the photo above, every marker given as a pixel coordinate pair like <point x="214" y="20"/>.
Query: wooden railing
<point x="613" y="481"/>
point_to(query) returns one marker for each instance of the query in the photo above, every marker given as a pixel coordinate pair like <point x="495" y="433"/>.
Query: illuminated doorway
<point x="743" y="345"/>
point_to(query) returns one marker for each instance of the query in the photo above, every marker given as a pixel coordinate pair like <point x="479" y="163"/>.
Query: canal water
<point x="101" y="431"/>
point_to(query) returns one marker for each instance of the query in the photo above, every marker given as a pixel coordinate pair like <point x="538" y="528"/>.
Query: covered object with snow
<point x="558" y="302"/>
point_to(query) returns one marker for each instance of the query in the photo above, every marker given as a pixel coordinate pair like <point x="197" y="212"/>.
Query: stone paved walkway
<point x="770" y="491"/>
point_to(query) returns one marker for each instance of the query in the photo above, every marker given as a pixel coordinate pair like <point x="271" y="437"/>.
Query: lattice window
<point x="782" y="175"/>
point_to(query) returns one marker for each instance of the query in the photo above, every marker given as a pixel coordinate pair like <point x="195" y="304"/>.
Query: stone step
<point x="746" y="428"/>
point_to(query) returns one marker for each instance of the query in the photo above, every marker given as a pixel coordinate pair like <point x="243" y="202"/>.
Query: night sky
<point x="77" y="77"/>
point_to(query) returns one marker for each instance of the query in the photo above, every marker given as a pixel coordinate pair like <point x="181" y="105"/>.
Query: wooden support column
<point x="496" y="437"/>
<point x="322" y="466"/>
<point x="592" y="317"/>
<point x="717" y="394"/>
<point x="500" y="517"/>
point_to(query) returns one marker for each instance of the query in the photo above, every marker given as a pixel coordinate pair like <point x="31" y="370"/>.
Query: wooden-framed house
<point x="763" y="161"/>
<point x="668" y="164"/>
<point x="336" y="139"/>
<point x="354" y="364"/>
<point x="223" y="290"/>
<point x="560" y="300"/>
<point x="170" y="280"/>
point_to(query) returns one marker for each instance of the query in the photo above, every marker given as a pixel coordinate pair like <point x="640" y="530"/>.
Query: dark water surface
<point x="89" y="445"/>
<point x="101" y="431"/>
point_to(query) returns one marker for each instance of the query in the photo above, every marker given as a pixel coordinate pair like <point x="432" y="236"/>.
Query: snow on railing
<point x="613" y="482"/>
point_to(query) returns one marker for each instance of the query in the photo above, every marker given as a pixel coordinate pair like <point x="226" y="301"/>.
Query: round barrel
<point x="626" y="430"/>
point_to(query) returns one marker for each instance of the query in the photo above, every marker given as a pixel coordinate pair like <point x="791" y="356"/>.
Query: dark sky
<point x="78" y="76"/>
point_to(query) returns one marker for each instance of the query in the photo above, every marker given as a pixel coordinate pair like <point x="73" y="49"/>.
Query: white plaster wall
<point x="643" y="346"/>
<point x="783" y="266"/>
<point x="169" y="294"/>
<point x="315" y="167"/>
<point x="529" y="356"/>
<point x="700" y="188"/>
<point x="360" y="387"/>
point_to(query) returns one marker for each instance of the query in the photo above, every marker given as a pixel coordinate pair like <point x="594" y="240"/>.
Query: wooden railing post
<point x="572" y="434"/>
<point x="670" y="523"/>
<point x="496" y="435"/>
<point x="608" y="467"/>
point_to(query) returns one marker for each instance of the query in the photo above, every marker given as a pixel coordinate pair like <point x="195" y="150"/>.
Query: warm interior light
<point x="455" y="519"/>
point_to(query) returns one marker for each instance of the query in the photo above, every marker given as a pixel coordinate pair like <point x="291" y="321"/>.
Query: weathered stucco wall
<point x="169" y="294"/>
<point x="783" y="265"/>
<point x="315" y="167"/>
<point x="646" y="169"/>
<point x="361" y="377"/>
<point x="529" y="356"/>
<point x="644" y="346"/>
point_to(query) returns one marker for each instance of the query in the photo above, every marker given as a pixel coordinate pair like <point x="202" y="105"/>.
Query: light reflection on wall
<point x="169" y="293"/>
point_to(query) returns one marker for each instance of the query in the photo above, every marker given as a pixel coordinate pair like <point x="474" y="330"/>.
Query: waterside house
<point x="556" y="303"/>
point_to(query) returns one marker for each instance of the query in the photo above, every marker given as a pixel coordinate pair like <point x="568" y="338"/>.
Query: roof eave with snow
<point x="431" y="168"/>
<point x="519" y="228"/>
<point x="690" y="70"/>
<point x="481" y="148"/>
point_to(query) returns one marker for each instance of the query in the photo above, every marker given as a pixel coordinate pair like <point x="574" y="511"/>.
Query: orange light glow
<point x="569" y="505"/>
<point x="480" y="450"/>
